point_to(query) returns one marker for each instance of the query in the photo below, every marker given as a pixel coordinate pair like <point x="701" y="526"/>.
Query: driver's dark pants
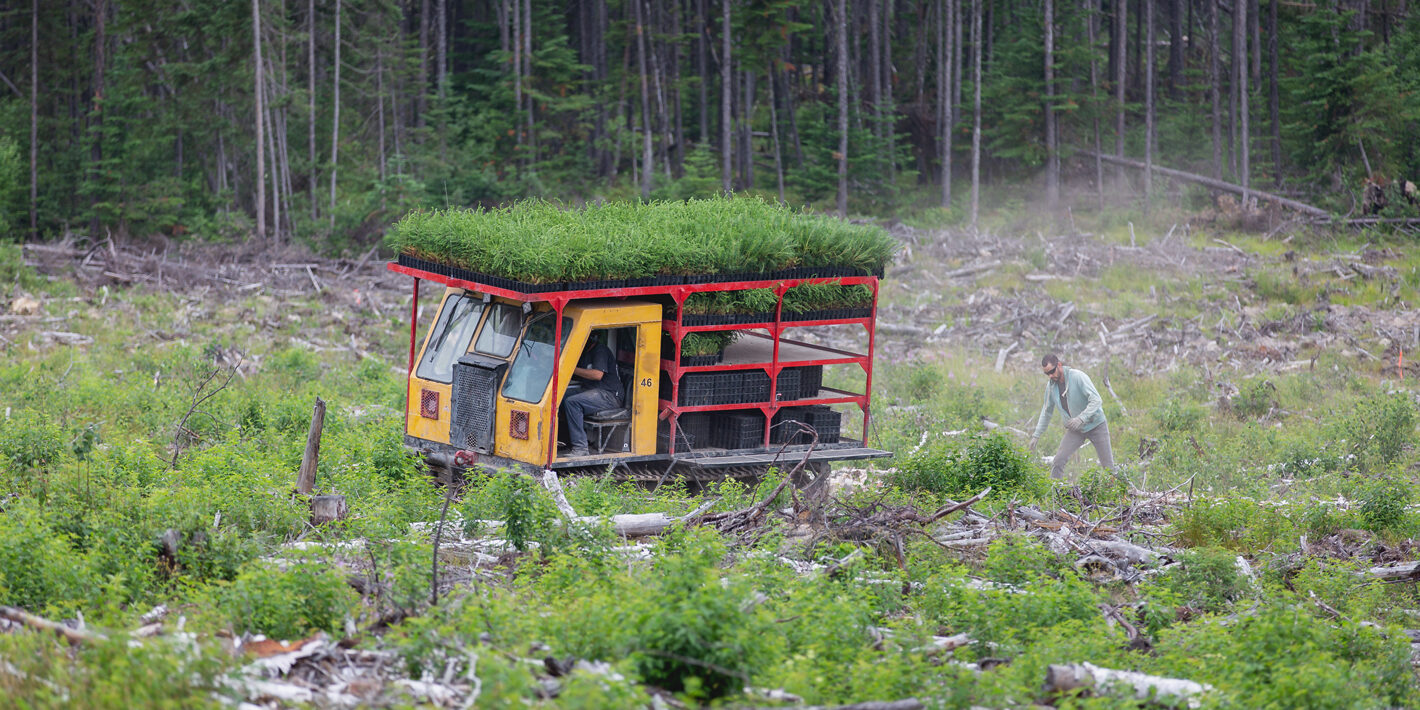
<point x="579" y="405"/>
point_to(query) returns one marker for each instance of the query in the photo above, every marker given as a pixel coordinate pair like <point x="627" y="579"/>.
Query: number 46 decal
<point x="646" y="382"/>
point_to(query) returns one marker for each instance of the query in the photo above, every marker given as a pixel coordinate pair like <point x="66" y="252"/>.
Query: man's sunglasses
<point x="1051" y="371"/>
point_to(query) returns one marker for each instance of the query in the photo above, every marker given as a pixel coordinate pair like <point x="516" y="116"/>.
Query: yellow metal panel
<point x="430" y="429"/>
<point x="646" y="391"/>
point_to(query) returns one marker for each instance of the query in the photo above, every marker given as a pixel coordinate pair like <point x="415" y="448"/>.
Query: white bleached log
<point x="1147" y="688"/>
<point x="1135" y="554"/>
<point x="1395" y="573"/>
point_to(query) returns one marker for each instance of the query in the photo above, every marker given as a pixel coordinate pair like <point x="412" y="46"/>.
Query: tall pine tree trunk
<point x="1148" y="106"/>
<point x="1052" y="164"/>
<point x="1274" y="98"/>
<point x="96" y="114"/>
<point x="726" y="96"/>
<point x="1215" y="87"/>
<point x="1240" y="58"/>
<point x="422" y="90"/>
<point x="311" y="106"/>
<point x="702" y="70"/>
<point x="34" y="119"/>
<point x="975" y="111"/>
<point x="517" y="39"/>
<point x="1176" y="49"/>
<point x="891" y="127"/>
<point x="1121" y="59"/>
<point x="841" y="42"/>
<point x="945" y="17"/>
<point x="647" y="168"/>
<point x="527" y="71"/>
<point x="334" y="118"/>
<point x="774" y="132"/>
<point x="258" y="71"/>
<point x="875" y="72"/>
<point x="1092" y="12"/>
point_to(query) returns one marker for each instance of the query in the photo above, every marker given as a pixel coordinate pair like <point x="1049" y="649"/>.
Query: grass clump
<point x="544" y="242"/>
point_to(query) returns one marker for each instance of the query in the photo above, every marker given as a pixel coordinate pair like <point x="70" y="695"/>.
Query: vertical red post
<point x="409" y="376"/>
<point x="868" y="366"/>
<point x="679" y="294"/>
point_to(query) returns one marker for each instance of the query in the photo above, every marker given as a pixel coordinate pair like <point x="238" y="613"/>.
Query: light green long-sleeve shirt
<point x="1081" y="399"/>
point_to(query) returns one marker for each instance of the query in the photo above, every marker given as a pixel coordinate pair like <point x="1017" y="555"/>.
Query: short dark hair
<point x="1049" y="359"/>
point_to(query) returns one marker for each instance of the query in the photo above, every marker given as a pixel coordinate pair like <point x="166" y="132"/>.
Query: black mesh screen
<point x="476" y="382"/>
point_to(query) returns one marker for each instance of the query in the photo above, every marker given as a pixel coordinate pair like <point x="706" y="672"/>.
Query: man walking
<point x="1080" y="407"/>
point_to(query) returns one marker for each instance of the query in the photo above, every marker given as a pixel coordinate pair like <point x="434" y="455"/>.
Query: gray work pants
<point x="1099" y="436"/>
<point x="579" y="405"/>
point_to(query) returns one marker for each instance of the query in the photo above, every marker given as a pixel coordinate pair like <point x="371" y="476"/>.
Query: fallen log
<point x="73" y="636"/>
<point x="1396" y="573"/>
<point x="973" y="269"/>
<point x="1145" y="688"/>
<point x="1215" y="184"/>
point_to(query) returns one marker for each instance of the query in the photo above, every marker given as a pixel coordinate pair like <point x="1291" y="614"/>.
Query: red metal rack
<point x="671" y="410"/>
<point x="677" y="330"/>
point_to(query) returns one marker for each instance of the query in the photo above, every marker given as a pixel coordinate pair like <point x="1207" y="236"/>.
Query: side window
<point x="532" y="367"/>
<point x="449" y="340"/>
<point x="501" y="331"/>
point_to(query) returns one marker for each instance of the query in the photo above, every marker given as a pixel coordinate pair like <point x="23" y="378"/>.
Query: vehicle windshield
<point x="500" y="333"/>
<point x="532" y="366"/>
<point x="451" y="334"/>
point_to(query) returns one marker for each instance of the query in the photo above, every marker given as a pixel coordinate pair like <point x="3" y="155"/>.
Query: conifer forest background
<point x="324" y="121"/>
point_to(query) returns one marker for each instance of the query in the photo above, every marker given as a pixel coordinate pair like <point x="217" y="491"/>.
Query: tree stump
<point x="325" y="509"/>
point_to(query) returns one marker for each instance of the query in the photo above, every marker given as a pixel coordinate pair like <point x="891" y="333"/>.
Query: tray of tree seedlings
<point x="828" y="301"/>
<point x="537" y="245"/>
<point x="729" y="307"/>
<point x="698" y="349"/>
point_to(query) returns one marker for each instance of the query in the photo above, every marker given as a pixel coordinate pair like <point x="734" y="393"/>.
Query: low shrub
<point x="1178" y="415"/>
<point x="1206" y="580"/>
<point x="696" y="636"/>
<point x="287" y="604"/>
<point x="31" y="440"/>
<point x="1383" y="504"/>
<point x="528" y="514"/>
<point x="39" y="568"/>
<point x="1378" y="430"/>
<point x="1236" y="524"/>
<point x="1254" y="399"/>
<point x="954" y="469"/>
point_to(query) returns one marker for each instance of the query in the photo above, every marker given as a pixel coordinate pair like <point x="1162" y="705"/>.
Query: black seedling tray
<point x="744" y="430"/>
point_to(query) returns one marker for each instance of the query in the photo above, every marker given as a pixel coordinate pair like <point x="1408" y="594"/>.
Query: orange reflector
<point x="429" y="404"/>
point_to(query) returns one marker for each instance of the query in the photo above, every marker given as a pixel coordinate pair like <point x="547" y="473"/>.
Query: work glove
<point x="1033" y="441"/>
<point x="1074" y="424"/>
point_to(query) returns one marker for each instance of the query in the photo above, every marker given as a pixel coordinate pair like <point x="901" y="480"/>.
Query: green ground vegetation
<point x="102" y="454"/>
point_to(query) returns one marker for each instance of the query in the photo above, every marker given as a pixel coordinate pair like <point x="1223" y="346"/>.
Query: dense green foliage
<point x="544" y="242"/>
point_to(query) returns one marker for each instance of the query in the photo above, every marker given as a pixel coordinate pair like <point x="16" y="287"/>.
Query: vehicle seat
<point x="603" y="426"/>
